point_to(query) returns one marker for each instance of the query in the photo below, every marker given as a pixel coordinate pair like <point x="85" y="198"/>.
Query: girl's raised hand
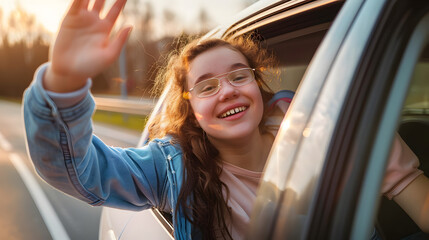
<point x="82" y="48"/>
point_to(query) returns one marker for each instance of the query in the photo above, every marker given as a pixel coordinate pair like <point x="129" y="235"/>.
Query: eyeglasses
<point x="211" y="86"/>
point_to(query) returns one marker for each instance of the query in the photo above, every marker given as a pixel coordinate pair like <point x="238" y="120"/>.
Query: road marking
<point x="5" y="144"/>
<point x="52" y="221"/>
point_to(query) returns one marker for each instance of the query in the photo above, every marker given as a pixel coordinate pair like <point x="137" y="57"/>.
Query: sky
<point x="50" y="12"/>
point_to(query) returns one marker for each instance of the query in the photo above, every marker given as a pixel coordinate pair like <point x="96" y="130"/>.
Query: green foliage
<point x="133" y="122"/>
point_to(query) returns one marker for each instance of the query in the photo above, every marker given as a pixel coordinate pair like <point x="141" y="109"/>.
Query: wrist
<point x="61" y="83"/>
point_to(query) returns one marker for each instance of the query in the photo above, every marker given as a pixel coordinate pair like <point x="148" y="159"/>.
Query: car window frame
<point x="299" y="115"/>
<point x="334" y="73"/>
<point x="389" y="123"/>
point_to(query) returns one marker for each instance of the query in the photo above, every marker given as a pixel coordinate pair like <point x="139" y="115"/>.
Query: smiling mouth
<point x="232" y="112"/>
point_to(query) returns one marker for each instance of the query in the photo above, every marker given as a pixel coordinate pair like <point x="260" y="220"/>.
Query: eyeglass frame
<point x="217" y="77"/>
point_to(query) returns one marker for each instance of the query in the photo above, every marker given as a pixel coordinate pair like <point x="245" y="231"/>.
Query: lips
<point x="233" y="111"/>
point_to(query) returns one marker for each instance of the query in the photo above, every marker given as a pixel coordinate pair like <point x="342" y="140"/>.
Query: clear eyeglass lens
<point x="211" y="86"/>
<point x="240" y="77"/>
<point x="207" y="87"/>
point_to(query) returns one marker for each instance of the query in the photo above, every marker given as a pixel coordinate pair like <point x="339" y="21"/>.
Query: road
<point x="30" y="209"/>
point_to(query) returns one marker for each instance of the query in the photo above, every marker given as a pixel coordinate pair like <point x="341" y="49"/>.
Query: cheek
<point x="202" y="110"/>
<point x="258" y="101"/>
<point x="260" y="107"/>
<point x="255" y="93"/>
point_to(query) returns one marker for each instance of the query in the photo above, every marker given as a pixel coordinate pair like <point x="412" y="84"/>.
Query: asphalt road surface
<point x="31" y="209"/>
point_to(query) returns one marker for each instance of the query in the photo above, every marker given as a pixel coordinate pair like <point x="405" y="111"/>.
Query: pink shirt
<point x="242" y="184"/>
<point x="402" y="168"/>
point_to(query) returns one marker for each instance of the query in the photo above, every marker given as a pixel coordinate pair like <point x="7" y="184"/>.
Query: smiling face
<point x="233" y="112"/>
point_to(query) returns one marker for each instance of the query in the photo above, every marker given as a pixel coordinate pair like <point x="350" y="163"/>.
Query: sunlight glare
<point x="216" y="126"/>
<point x="47" y="12"/>
<point x="198" y="116"/>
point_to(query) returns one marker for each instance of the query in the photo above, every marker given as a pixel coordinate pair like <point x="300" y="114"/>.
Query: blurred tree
<point x="204" y="21"/>
<point x="22" y="26"/>
<point x="141" y="52"/>
<point x="2" y="30"/>
<point x="16" y="69"/>
<point x="169" y="21"/>
<point x="22" y="50"/>
<point x="146" y="21"/>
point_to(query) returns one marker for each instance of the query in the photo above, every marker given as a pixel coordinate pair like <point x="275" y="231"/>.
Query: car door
<point x="328" y="161"/>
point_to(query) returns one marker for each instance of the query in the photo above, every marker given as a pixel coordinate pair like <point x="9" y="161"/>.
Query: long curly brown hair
<point x="201" y="197"/>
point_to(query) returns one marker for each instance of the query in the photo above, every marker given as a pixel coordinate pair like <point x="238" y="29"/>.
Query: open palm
<point x="82" y="48"/>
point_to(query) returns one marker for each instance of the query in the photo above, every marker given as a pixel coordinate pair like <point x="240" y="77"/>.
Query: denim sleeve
<point x="69" y="157"/>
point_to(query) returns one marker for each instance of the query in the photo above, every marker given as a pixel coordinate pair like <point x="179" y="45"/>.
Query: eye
<point x="239" y="76"/>
<point x="208" y="88"/>
<point x="238" y="79"/>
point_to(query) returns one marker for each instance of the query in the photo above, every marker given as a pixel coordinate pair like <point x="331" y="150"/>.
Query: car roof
<point x="263" y="9"/>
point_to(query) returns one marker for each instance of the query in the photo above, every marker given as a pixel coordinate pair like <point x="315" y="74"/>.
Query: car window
<point x="294" y="52"/>
<point x="417" y="101"/>
<point x="413" y="128"/>
<point x="322" y="177"/>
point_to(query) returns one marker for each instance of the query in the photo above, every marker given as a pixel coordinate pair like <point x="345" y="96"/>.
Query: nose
<point x="227" y="90"/>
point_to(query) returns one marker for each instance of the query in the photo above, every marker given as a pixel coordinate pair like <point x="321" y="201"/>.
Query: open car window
<point x="293" y="46"/>
<point x="294" y="52"/>
<point x="392" y="221"/>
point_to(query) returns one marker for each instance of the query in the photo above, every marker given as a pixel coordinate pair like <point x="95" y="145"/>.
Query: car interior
<point x="295" y="49"/>
<point x="393" y="222"/>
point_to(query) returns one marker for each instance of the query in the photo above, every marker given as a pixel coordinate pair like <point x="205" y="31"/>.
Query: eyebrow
<point x="233" y="67"/>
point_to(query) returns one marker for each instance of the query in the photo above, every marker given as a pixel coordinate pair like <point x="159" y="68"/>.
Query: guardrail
<point x="141" y="106"/>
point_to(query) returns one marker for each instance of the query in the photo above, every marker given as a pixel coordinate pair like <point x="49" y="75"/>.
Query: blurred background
<point x="27" y="27"/>
<point x="29" y="208"/>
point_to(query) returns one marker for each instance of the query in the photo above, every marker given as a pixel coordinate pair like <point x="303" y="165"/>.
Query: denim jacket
<point x="69" y="157"/>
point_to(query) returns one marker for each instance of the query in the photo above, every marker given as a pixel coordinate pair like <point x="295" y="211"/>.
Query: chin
<point x="230" y="134"/>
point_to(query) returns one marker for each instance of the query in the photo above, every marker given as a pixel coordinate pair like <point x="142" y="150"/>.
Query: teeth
<point x="233" y="111"/>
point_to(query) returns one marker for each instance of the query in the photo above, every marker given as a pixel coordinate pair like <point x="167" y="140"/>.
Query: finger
<point x="115" y="47"/>
<point x="75" y="7"/>
<point x="115" y="11"/>
<point x="98" y="5"/>
<point x="85" y="4"/>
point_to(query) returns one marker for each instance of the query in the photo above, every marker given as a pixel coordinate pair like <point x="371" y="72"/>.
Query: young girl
<point x="209" y="144"/>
